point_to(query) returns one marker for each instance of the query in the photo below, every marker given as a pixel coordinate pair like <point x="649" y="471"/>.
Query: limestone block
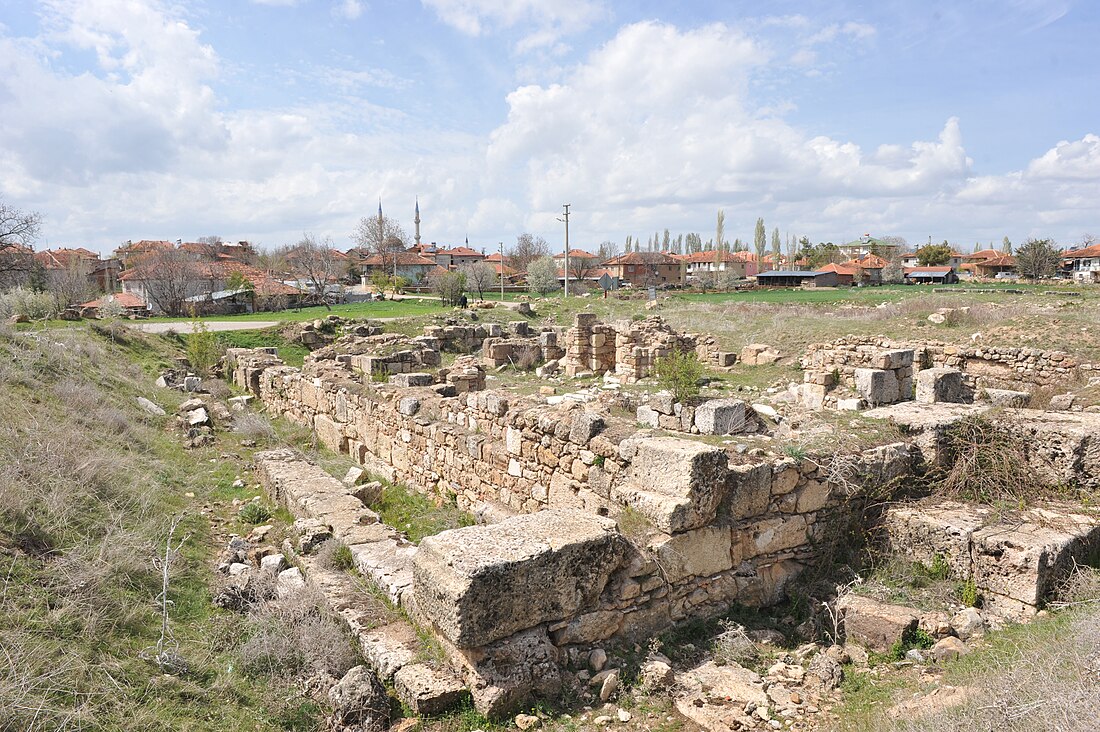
<point x="720" y="417"/>
<point x="330" y="434"/>
<point x="777" y="534"/>
<point x="678" y="484"/>
<point x="412" y="379"/>
<point x="921" y="532"/>
<point x="426" y="690"/>
<point x="507" y="675"/>
<point x="875" y="624"/>
<point x="483" y="583"/>
<point x="750" y="488"/>
<point x="663" y="402"/>
<point x="1007" y="397"/>
<point x="877" y="386"/>
<point x="758" y="354"/>
<point x="941" y="385"/>
<point x="408" y="406"/>
<point x="895" y="359"/>
<point x="699" y="553"/>
<point x="584" y="427"/>
<point x="588" y="628"/>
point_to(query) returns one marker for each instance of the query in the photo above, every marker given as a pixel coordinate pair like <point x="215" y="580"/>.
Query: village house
<point x="868" y="244"/>
<point x="910" y="259"/>
<point x="700" y="264"/>
<point x="102" y="274"/>
<point x="944" y="275"/>
<point x="457" y="257"/>
<point x="645" y="269"/>
<point x="1083" y="264"/>
<point x="798" y="278"/>
<point x="412" y="266"/>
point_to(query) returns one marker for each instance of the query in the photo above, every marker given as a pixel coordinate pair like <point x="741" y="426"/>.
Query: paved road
<point x="213" y="325"/>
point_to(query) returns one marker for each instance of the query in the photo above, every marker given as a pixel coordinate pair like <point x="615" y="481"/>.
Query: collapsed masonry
<point x="551" y="574"/>
<point x="854" y="373"/>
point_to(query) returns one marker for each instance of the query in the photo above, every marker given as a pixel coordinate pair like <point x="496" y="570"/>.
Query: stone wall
<point x="630" y="348"/>
<point x="703" y="532"/>
<point x="982" y="366"/>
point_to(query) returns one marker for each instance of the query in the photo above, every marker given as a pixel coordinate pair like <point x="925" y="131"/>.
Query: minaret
<point x="416" y="221"/>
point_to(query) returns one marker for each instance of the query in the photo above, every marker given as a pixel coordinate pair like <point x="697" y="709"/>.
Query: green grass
<point x="88" y="486"/>
<point x="384" y="309"/>
<point x="417" y="515"/>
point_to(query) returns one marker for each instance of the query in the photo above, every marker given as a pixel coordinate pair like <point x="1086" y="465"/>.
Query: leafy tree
<point x="679" y="373"/>
<point x="1006" y="245"/>
<point x="776" y="250"/>
<point x="760" y="242"/>
<point x="720" y="229"/>
<point x="934" y="255"/>
<point x="480" y="276"/>
<point x="542" y="276"/>
<point x="237" y="281"/>
<point x="1038" y="258"/>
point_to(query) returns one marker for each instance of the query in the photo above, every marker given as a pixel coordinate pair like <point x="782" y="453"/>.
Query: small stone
<point x="949" y="648"/>
<point x="597" y="659"/>
<point x="528" y="721"/>
<point x="610" y="685"/>
<point x="624" y="716"/>
<point x="273" y="563"/>
<point x="602" y="721"/>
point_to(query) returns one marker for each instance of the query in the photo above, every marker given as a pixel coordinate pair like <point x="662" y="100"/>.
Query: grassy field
<point x="89" y="486"/>
<point x="385" y="309"/>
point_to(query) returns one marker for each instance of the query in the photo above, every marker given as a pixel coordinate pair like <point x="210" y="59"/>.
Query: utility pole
<point x="566" y="220"/>
<point x="502" y="271"/>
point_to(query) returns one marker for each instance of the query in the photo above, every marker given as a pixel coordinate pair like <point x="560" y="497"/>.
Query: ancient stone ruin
<point x="595" y="531"/>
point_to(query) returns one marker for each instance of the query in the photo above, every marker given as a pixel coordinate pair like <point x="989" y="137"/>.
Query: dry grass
<point x="253" y="426"/>
<point x="295" y="636"/>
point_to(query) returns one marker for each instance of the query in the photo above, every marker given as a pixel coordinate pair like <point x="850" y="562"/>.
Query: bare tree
<point x="170" y="276"/>
<point x="69" y="284"/>
<point x="607" y="250"/>
<point x="581" y="268"/>
<point x="528" y="248"/>
<point x="381" y="236"/>
<point x="317" y="265"/>
<point x="18" y="232"/>
<point x="1038" y="258"/>
<point x="480" y="276"/>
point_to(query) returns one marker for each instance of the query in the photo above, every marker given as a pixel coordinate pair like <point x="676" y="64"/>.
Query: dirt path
<point x="213" y="325"/>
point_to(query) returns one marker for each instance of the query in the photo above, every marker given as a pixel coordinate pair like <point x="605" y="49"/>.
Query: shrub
<point x="335" y="554"/>
<point x="253" y="426"/>
<point x="990" y="465"/>
<point x="968" y="593"/>
<point x="679" y="373"/>
<point x="28" y="304"/>
<point x="254" y="513"/>
<point x="203" y="350"/>
<point x="295" y="635"/>
<point x="542" y="276"/>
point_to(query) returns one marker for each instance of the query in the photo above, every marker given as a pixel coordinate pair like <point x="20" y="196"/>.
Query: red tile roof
<point x="642" y="258"/>
<point x="125" y="299"/>
<point x="578" y="253"/>
<point x="404" y="259"/>
<point x="1092" y="250"/>
<point x="461" y="252"/>
<point x="839" y="269"/>
<point x="942" y="270"/>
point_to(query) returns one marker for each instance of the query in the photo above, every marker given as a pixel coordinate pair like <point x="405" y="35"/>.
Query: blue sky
<point x="262" y="120"/>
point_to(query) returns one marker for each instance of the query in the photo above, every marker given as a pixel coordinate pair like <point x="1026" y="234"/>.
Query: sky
<point x="263" y="120"/>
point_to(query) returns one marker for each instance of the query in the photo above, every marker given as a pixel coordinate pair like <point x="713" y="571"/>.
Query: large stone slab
<point x="942" y="385"/>
<point x="876" y="625"/>
<point x="877" y="386"/>
<point x="720" y="417"/>
<point x="483" y="583"/>
<point x="678" y="484"/>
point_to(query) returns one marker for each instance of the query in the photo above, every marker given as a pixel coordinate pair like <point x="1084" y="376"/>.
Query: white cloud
<point x="543" y="21"/>
<point x="276" y="3"/>
<point x="657" y="128"/>
<point x="349" y="9"/>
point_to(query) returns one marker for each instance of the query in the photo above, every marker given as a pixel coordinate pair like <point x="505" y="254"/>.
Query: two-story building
<point x="645" y="269"/>
<point x="1083" y="264"/>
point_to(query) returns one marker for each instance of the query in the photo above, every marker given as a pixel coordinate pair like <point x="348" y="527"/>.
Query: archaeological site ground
<point x="872" y="509"/>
